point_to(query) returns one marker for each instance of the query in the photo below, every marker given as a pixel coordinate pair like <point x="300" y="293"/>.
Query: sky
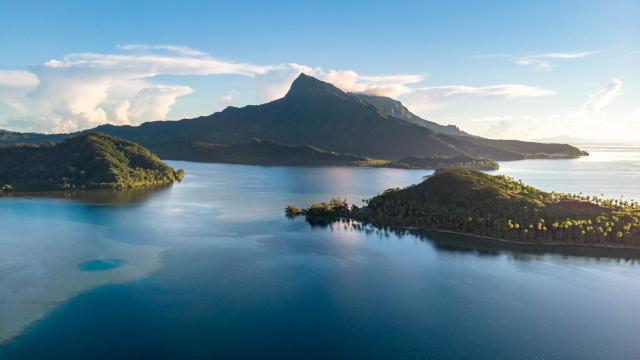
<point x="533" y="70"/>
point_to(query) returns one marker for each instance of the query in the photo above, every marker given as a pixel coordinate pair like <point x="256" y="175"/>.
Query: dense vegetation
<point x="12" y="137"/>
<point x="88" y="161"/>
<point x="457" y="162"/>
<point x="318" y="114"/>
<point x="499" y="207"/>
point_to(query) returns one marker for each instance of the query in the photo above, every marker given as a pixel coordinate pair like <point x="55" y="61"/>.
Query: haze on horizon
<point x="565" y="71"/>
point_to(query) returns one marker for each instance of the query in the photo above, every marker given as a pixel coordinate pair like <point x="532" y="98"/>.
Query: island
<point x="439" y="162"/>
<point x="88" y="161"/>
<point x="492" y="207"/>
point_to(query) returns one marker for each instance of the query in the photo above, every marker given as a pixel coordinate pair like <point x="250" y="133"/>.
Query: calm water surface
<point x="211" y="268"/>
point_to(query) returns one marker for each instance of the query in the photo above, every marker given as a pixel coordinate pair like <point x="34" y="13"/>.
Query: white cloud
<point x="541" y="62"/>
<point x="155" y="102"/>
<point x="275" y="84"/>
<point x="506" y="91"/>
<point x="14" y="85"/>
<point x="83" y="90"/>
<point x="424" y="99"/>
<point x="546" y="62"/>
<point x="386" y="85"/>
<point x="604" y="97"/>
<point x="148" y="65"/>
<point x="228" y="99"/>
<point x="587" y="122"/>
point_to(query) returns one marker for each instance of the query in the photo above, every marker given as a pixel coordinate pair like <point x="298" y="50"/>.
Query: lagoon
<point x="212" y="268"/>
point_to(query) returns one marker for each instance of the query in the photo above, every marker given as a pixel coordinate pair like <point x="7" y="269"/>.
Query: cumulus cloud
<point x="83" y="90"/>
<point x="14" y="85"/>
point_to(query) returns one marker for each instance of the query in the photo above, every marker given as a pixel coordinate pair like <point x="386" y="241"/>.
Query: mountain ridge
<point x="318" y="114"/>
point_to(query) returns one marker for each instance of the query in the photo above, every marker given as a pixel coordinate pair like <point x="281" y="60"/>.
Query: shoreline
<point x="611" y="250"/>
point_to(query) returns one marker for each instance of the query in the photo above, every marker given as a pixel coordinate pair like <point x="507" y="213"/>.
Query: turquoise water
<point x="212" y="269"/>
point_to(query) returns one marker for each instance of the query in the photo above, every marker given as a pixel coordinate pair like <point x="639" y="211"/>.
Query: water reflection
<point x="101" y="196"/>
<point x="469" y="244"/>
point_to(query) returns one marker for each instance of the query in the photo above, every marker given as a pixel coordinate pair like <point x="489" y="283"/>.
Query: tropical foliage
<point x="322" y="212"/>
<point x="500" y="207"/>
<point x="455" y="162"/>
<point x="87" y="161"/>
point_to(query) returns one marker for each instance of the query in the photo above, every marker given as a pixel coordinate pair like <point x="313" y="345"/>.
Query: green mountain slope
<point x="87" y="161"/>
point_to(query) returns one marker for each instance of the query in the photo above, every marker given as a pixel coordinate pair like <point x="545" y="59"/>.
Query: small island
<point x="88" y="161"/>
<point x="438" y="162"/>
<point x="492" y="207"/>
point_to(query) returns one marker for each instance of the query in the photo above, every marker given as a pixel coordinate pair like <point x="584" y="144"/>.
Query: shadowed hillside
<point x="87" y="161"/>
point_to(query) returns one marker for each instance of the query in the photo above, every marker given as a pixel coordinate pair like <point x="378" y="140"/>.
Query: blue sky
<point x="525" y="69"/>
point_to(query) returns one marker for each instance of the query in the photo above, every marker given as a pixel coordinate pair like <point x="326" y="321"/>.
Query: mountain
<point x="396" y="109"/>
<point x="88" y="161"/>
<point x="320" y="115"/>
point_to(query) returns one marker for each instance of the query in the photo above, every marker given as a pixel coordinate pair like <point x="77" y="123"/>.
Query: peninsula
<point x="497" y="207"/>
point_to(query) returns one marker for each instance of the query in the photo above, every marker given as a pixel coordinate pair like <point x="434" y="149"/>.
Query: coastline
<point x="593" y="250"/>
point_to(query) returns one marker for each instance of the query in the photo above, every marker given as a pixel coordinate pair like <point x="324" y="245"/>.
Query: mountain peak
<point x="308" y="86"/>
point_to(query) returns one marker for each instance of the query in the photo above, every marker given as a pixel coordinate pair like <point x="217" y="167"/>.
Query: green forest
<point x="499" y="207"/>
<point x="88" y="161"/>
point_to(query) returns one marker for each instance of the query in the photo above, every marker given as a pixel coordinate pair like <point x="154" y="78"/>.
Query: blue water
<point x="238" y="280"/>
<point x="100" y="264"/>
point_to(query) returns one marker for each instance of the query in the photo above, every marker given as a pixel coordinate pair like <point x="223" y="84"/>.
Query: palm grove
<point x="493" y="206"/>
